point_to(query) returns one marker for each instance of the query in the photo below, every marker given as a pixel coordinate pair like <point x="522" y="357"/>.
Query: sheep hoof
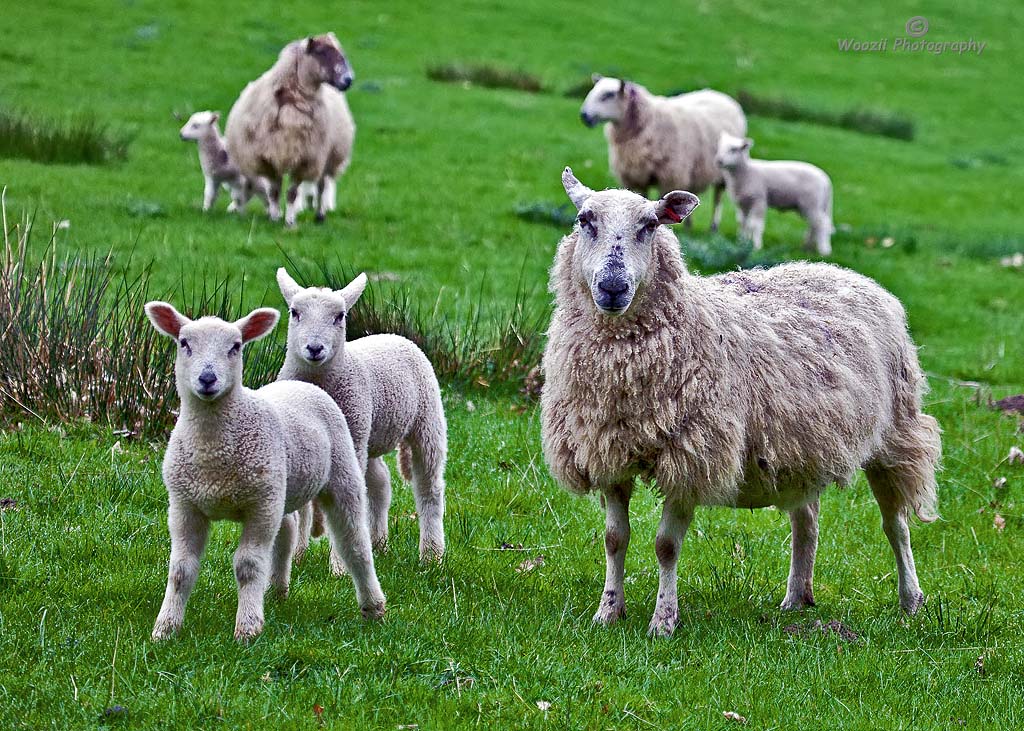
<point x="163" y="630"/>
<point x="248" y="631"/>
<point x="374" y="611"/>
<point x="612" y="609"/>
<point x="796" y="602"/>
<point x="912" y="604"/>
<point x="320" y="218"/>
<point x="664" y="622"/>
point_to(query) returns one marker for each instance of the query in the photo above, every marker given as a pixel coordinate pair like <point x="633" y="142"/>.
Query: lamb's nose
<point x="314" y="350"/>
<point x="207" y="378"/>
<point x="613" y="286"/>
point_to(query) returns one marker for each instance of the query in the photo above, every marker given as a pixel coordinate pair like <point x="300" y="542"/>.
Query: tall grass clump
<point x="486" y="75"/>
<point x="82" y="139"/>
<point x="866" y="121"/>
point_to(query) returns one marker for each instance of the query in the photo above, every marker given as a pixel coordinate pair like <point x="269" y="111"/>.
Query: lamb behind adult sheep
<point x="254" y="457"/>
<point x="668" y="143"/>
<point x="218" y="168"/>
<point x="748" y="389"/>
<point x="290" y="122"/>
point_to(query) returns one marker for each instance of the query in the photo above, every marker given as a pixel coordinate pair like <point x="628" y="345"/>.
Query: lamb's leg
<point x="321" y="200"/>
<point x="305" y="529"/>
<point x="616" y="541"/>
<point x="274" y="199"/>
<point x="429" y="450"/>
<point x="803" y="523"/>
<point x="210" y="191"/>
<point x="331" y="192"/>
<point x="378" y="493"/>
<point x="822" y="234"/>
<point x="894" y="522"/>
<point x="675" y="519"/>
<point x="189" y="529"/>
<point x="252" y="568"/>
<point x="284" y="549"/>
<point x="753" y="225"/>
<point x="344" y="507"/>
<point x="291" y="208"/>
<point x="716" y="211"/>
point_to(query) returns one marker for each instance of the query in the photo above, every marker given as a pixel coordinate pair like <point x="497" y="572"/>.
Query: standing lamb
<point x="757" y="185"/>
<point x="389" y="394"/>
<point x="218" y="169"/>
<point x="667" y="143"/>
<point x="746" y="390"/>
<point x="254" y="457"/>
<point x="290" y="122"/>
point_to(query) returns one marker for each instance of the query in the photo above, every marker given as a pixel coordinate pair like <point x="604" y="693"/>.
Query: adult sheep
<point x="290" y="122"/>
<point x="668" y="143"/>
<point x="747" y="389"/>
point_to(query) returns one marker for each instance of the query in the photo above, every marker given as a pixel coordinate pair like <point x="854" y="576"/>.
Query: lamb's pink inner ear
<point x="258" y="324"/>
<point x="165" y="318"/>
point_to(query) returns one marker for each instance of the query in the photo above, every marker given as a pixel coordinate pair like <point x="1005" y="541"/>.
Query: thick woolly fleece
<point x="387" y="389"/>
<point x="254" y="457"/>
<point x="670" y="142"/>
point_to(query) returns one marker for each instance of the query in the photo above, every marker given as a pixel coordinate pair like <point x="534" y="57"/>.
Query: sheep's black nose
<point x="586" y="119"/>
<point x="315" y="350"/>
<point x="613" y="286"/>
<point x="207" y="378"/>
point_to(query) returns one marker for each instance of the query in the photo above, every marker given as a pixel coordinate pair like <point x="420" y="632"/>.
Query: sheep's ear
<point x="310" y="44"/>
<point x="257" y="323"/>
<point x="353" y="290"/>
<point x="214" y="117"/>
<point x="166" y="319"/>
<point x="595" y="78"/>
<point x="675" y="206"/>
<point x="622" y="87"/>
<point x="578" y="193"/>
<point x="289" y="287"/>
<point x="747" y="143"/>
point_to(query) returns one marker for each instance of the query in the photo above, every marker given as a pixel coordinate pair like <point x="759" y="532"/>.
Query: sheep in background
<point x="342" y="136"/>
<point x="288" y="123"/>
<point x="254" y="457"/>
<point x="757" y="185"/>
<point x="747" y="389"/>
<point x="387" y="389"/>
<point x="218" y="169"/>
<point x="668" y="143"/>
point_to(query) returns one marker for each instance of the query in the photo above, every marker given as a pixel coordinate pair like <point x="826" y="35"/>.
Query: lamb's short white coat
<point x="218" y="169"/>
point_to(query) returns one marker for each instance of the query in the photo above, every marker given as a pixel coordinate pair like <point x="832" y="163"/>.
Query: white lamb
<point x="254" y="457"/>
<point x="218" y="169"/>
<point x="667" y="143"/>
<point x="747" y="389"/>
<point x="389" y="394"/>
<point x="757" y="185"/>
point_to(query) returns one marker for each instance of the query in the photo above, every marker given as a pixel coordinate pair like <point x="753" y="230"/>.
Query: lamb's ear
<point x="622" y="87"/>
<point x="595" y="78"/>
<point x="166" y="319"/>
<point x="675" y="206"/>
<point x="214" y="117"/>
<point x="310" y="44"/>
<point x="747" y="143"/>
<point x="353" y="290"/>
<point x="289" y="287"/>
<point x="577" y="191"/>
<point x="257" y="323"/>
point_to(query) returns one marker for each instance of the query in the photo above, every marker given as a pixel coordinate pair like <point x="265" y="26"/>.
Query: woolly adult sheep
<point x="254" y="457"/>
<point x="289" y="122"/>
<point x="756" y="185"/>
<point x="748" y="389"/>
<point x="667" y="143"/>
<point x="217" y="166"/>
<point x="389" y="394"/>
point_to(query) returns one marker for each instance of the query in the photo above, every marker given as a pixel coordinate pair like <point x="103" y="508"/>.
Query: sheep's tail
<point x="906" y="472"/>
<point x="405" y="462"/>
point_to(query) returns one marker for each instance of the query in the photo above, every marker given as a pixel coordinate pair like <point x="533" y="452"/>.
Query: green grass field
<point x="430" y="198"/>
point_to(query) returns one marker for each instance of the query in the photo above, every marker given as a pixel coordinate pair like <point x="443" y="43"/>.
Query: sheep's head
<point x="199" y="125"/>
<point x="209" y="361"/>
<point x="316" y="325"/>
<point x="606" y="102"/>
<point x="326" y="62"/>
<point x="732" y="151"/>
<point x="615" y="229"/>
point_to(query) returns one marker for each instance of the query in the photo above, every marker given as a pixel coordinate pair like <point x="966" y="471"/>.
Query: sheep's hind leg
<point x="305" y="529"/>
<point x="189" y="529"/>
<point x="321" y="200"/>
<point x="675" y="519"/>
<point x="378" y="493"/>
<point x="284" y="549"/>
<point x="803" y="523"/>
<point x="252" y="569"/>
<point x="274" y="199"/>
<point x="428" y="452"/>
<point x="291" y="210"/>
<point x="616" y="541"/>
<point x="884" y="485"/>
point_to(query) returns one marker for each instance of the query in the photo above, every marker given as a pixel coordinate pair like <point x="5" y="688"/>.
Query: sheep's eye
<point x="235" y="349"/>
<point x="340" y="318"/>
<point x="648" y="229"/>
<point x="295" y="314"/>
<point x="607" y="95"/>
<point x="185" y="346"/>
<point x="588" y="223"/>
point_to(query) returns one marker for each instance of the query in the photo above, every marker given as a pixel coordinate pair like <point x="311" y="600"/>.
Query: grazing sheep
<point x="288" y="122"/>
<point x="667" y="143"/>
<point x="389" y="394"/>
<point x="218" y="169"/>
<point x="747" y="389"/>
<point x="254" y="457"/>
<point x="756" y="185"/>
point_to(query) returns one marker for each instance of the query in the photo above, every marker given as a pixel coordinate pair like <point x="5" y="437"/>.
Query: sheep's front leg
<point x="252" y="569"/>
<point x="305" y="529"/>
<point x="675" y="519"/>
<point x="753" y="225"/>
<point x="284" y="550"/>
<point x="616" y="541"/>
<point x="800" y="587"/>
<point x="321" y="200"/>
<point x="189" y="529"/>
<point x="291" y="210"/>
<point x="378" y="491"/>
<point x="274" y="199"/>
<point x="210" y="191"/>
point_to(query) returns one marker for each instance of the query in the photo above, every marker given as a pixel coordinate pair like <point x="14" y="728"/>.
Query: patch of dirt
<point x="1011" y="404"/>
<point x="8" y="503"/>
<point x="833" y="626"/>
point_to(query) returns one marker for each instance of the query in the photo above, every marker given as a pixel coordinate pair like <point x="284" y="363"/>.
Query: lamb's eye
<point x="607" y="95"/>
<point x="295" y="314"/>
<point x="340" y="318"/>
<point x="235" y="349"/>
<point x="185" y="346"/>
